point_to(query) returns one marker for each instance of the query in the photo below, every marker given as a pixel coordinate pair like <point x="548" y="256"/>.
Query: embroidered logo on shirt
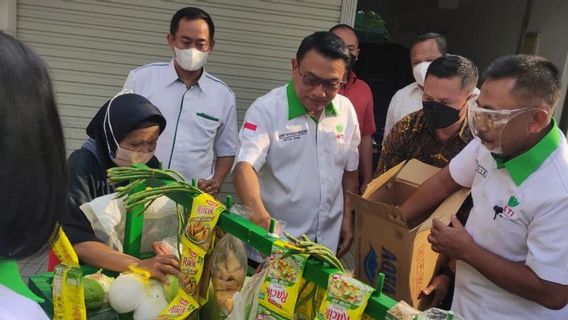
<point x="339" y="132"/>
<point x="291" y="136"/>
<point x="481" y="170"/>
<point x="513" y="202"/>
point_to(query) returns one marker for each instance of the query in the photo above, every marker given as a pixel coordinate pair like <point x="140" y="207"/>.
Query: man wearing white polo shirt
<point x="512" y="255"/>
<point x="298" y="148"/>
<point x="200" y="141"/>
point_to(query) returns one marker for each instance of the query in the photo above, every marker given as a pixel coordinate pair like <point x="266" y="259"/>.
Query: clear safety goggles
<point x="488" y="125"/>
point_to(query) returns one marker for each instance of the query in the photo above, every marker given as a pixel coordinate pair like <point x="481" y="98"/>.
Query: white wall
<point x="8" y="16"/>
<point x="550" y="18"/>
<point x="483" y="30"/>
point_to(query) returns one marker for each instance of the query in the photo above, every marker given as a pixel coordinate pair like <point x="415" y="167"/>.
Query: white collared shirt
<point x="201" y="120"/>
<point x="530" y="229"/>
<point x="300" y="163"/>
<point x="405" y="101"/>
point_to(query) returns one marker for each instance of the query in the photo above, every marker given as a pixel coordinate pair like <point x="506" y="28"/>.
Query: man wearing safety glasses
<point x="298" y="148"/>
<point x="512" y="256"/>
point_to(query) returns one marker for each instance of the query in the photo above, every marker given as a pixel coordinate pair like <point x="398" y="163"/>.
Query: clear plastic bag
<point x="438" y="314"/>
<point x="107" y="216"/>
<point x="245" y="302"/>
<point x="228" y="265"/>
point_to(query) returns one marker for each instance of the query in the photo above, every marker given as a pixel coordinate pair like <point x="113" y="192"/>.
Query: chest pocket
<point x="511" y="234"/>
<point x="207" y="124"/>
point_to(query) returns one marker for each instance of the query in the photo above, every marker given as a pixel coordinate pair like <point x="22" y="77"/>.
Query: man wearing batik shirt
<point x="439" y="131"/>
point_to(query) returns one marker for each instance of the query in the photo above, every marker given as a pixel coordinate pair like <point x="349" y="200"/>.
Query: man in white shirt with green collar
<point x="298" y="148"/>
<point x="512" y="255"/>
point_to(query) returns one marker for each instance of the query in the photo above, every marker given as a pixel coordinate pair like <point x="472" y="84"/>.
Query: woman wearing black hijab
<point x="124" y="131"/>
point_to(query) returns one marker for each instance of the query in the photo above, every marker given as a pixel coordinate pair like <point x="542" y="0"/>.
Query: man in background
<point x="425" y="49"/>
<point x="361" y="97"/>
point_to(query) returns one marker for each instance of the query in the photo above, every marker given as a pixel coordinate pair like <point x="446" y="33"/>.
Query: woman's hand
<point x="161" y="265"/>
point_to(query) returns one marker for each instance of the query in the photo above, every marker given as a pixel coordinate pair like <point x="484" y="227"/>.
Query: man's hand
<point x="161" y="265"/>
<point x="454" y="241"/>
<point x="261" y="219"/>
<point x="345" y="237"/>
<point x="436" y="291"/>
<point x="209" y="186"/>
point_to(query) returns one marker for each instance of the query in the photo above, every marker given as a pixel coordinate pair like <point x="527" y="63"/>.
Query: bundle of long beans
<point x="305" y="245"/>
<point x="137" y="176"/>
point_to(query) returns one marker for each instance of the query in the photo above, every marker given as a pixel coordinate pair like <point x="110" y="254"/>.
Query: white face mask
<point x="419" y="72"/>
<point x="190" y="59"/>
<point x="123" y="157"/>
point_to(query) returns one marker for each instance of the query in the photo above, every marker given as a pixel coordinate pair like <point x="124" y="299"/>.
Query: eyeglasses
<point x="314" y="81"/>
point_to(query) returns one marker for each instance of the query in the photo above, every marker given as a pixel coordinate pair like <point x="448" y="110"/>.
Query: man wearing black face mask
<point x="439" y="131"/>
<point x="361" y="97"/>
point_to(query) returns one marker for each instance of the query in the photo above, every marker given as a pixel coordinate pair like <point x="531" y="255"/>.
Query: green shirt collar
<point x="523" y="165"/>
<point x="295" y="107"/>
<point x="11" y="279"/>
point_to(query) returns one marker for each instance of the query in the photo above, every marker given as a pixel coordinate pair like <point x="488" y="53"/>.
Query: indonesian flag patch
<point x="249" y="128"/>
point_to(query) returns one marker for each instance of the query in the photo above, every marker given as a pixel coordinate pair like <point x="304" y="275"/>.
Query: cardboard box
<point x="385" y="242"/>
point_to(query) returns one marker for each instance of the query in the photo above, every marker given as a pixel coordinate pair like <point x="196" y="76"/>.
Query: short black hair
<point x="325" y="43"/>
<point x="440" y="41"/>
<point x="344" y="26"/>
<point x="33" y="172"/>
<point x="192" y="13"/>
<point x="451" y="65"/>
<point x="535" y="76"/>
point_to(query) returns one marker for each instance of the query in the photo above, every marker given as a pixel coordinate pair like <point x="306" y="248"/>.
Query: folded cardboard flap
<point x="393" y="187"/>
<point x="377" y="210"/>
<point x="416" y="172"/>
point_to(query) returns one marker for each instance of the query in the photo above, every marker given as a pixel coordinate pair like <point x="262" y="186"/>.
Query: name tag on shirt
<point x="293" y="133"/>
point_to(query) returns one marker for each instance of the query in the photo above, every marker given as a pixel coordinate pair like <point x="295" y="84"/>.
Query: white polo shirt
<point x="201" y="120"/>
<point x="532" y="191"/>
<point x="405" y="101"/>
<point x="300" y="162"/>
<point x="17" y="301"/>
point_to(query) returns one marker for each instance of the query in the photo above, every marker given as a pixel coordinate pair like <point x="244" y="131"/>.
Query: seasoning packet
<point x="309" y="300"/>
<point x="68" y="295"/>
<point x="281" y="287"/>
<point x="346" y="298"/>
<point x="67" y="285"/>
<point x="401" y="311"/>
<point x="196" y="239"/>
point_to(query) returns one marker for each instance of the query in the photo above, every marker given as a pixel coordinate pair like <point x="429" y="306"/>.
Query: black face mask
<point x="439" y="115"/>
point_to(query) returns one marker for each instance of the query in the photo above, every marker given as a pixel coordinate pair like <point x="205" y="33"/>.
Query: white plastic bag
<point x="245" y="302"/>
<point x="107" y="216"/>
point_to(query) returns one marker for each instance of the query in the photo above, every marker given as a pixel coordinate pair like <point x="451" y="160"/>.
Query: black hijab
<point x="128" y="112"/>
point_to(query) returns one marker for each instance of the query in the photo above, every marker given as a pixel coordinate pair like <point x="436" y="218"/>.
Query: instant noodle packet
<point x="345" y="299"/>
<point x="281" y="287"/>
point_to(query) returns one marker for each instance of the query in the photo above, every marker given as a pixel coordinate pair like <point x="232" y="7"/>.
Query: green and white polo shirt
<point x="300" y="160"/>
<point x="520" y="213"/>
